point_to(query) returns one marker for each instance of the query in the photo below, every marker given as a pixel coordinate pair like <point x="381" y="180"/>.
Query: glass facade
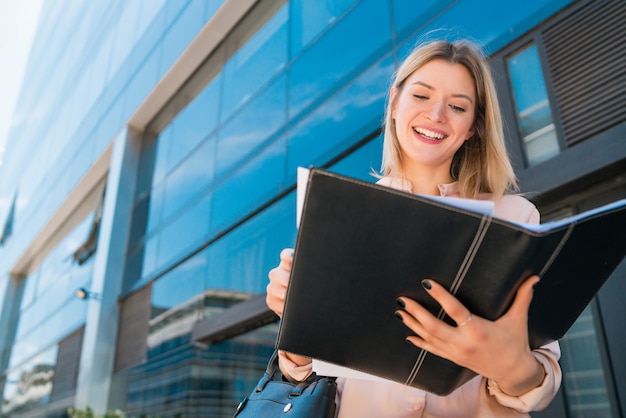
<point x="211" y="198"/>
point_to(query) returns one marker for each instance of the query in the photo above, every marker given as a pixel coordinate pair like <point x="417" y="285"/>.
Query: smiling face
<point x="433" y="112"/>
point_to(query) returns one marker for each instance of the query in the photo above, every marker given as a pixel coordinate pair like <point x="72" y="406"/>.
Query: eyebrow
<point x="429" y="87"/>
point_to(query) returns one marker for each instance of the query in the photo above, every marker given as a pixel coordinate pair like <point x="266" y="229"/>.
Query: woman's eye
<point x="420" y="97"/>
<point x="457" y="108"/>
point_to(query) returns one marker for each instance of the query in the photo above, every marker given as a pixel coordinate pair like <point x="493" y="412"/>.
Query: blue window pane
<point x="353" y="113"/>
<point x="251" y="128"/>
<point x="149" y="262"/>
<point x="242" y="259"/>
<point x="185" y="233"/>
<point x="255" y="63"/>
<point x="161" y="166"/>
<point x="529" y="87"/>
<point x="363" y="162"/>
<point x="181" y="284"/>
<point x="189" y="179"/>
<point x="532" y="105"/>
<point x="310" y="17"/>
<point x="31" y="384"/>
<point x="252" y="185"/>
<point x="155" y="212"/>
<point x="409" y="15"/>
<point x="347" y="47"/>
<point x="142" y="82"/>
<point x="182" y="31"/>
<point x="124" y="36"/>
<point x="493" y="24"/>
<point x="195" y="123"/>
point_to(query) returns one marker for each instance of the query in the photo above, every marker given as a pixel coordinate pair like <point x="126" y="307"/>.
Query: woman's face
<point x="434" y="114"/>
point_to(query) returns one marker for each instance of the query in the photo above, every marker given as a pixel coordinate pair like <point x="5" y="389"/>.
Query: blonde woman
<point x="443" y="136"/>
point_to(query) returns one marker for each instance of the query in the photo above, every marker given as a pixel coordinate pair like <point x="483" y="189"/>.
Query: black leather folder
<point x="360" y="246"/>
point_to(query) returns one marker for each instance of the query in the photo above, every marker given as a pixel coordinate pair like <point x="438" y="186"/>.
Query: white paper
<point x="302" y="180"/>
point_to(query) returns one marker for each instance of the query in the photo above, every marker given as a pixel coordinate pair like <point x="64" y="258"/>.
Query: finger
<point x="523" y="298"/>
<point x="274" y="298"/>
<point x="419" y="320"/>
<point x="451" y="305"/>
<point x="286" y="259"/>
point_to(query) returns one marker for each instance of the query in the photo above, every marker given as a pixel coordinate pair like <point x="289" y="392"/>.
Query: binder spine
<point x="456" y="283"/>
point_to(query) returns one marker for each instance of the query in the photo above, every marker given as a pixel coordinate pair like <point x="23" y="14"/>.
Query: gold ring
<point x="462" y="324"/>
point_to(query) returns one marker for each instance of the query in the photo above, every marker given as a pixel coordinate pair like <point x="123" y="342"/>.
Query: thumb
<point x="523" y="298"/>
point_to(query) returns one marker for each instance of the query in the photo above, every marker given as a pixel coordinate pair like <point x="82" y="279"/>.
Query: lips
<point x="430" y="134"/>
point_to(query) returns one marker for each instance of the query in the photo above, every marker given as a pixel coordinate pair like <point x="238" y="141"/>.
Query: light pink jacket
<point x="480" y="397"/>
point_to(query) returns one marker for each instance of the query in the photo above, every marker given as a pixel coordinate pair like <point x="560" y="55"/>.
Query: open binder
<point x="360" y="246"/>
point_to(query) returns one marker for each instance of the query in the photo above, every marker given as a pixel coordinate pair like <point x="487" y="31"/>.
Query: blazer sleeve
<point x="541" y="396"/>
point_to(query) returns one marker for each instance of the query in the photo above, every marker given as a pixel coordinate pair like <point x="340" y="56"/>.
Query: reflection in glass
<point x="362" y="162"/>
<point x="241" y="259"/>
<point x="352" y="45"/>
<point x="253" y="183"/>
<point x="50" y="310"/>
<point x="584" y="382"/>
<point x="532" y="105"/>
<point x="255" y="63"/>
<point x="251" y="128"/>
<point x="352" y="113"/>
<point x="31" y="384"/>
<point x="310" y="17"/>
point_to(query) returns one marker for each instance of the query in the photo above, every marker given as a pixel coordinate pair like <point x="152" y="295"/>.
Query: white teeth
<point x="429" y="134"/>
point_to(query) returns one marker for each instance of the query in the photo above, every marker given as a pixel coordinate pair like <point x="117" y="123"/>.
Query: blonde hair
<point x="482" y="163"/>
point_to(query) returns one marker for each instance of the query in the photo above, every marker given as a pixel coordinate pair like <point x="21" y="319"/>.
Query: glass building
<point x="149" y="180"/>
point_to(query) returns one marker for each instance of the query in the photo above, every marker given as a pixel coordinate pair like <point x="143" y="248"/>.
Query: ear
<point x="470" y="134"/>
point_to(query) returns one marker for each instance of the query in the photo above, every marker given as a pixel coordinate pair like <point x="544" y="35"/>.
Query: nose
<point x="436" y="112"/>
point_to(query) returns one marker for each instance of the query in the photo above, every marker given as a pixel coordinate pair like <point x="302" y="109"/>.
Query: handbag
<point x="274" y="396"/>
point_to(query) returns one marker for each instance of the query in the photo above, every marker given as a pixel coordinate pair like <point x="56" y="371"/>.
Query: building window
<point x="532" y="106"/>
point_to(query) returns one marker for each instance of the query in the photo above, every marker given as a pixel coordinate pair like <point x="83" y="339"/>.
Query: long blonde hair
<point x="482" y="163"/>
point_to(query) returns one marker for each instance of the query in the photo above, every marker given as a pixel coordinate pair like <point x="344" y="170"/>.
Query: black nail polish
<point x="399" y="316"/>
<point x="426" y="284"/>
<point x="400" y="303"/>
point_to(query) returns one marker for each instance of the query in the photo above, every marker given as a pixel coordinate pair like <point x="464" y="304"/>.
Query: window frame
<point x="504" y="89"/>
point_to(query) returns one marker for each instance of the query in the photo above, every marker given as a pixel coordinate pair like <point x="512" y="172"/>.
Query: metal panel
<point x="586" y="53"/>
<point x="133" y="329"/>
<point x="66" y="369"/>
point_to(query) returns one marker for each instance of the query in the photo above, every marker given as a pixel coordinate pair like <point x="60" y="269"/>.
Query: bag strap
<point x="272" y="368"/>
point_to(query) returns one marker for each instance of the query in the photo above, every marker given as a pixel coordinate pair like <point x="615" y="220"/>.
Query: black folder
<point x="360" y="246"/>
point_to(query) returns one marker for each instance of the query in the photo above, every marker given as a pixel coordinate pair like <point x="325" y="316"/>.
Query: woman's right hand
<point x="279" y="280"/>
<point x="275" y="299"/>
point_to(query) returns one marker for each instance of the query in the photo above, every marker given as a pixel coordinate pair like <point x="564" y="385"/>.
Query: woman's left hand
<point x="498" y="350"/>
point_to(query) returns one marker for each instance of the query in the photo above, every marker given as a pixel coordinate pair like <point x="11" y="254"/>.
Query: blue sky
<point x="18" y="19"/>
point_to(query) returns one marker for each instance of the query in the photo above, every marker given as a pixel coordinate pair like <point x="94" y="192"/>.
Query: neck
<point x="426" y="180"/>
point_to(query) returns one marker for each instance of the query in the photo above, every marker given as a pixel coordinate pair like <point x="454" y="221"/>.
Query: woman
<point x="443" y="136"/>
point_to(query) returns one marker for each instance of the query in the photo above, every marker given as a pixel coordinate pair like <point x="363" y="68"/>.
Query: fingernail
<point x="399" y="316"/>
<point x="406" y="340"/>
<point x="426" y="284"/>
<point x="400" y="303"/>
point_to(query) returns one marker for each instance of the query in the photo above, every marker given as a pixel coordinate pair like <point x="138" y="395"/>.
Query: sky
<point x="18" y="19"/>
